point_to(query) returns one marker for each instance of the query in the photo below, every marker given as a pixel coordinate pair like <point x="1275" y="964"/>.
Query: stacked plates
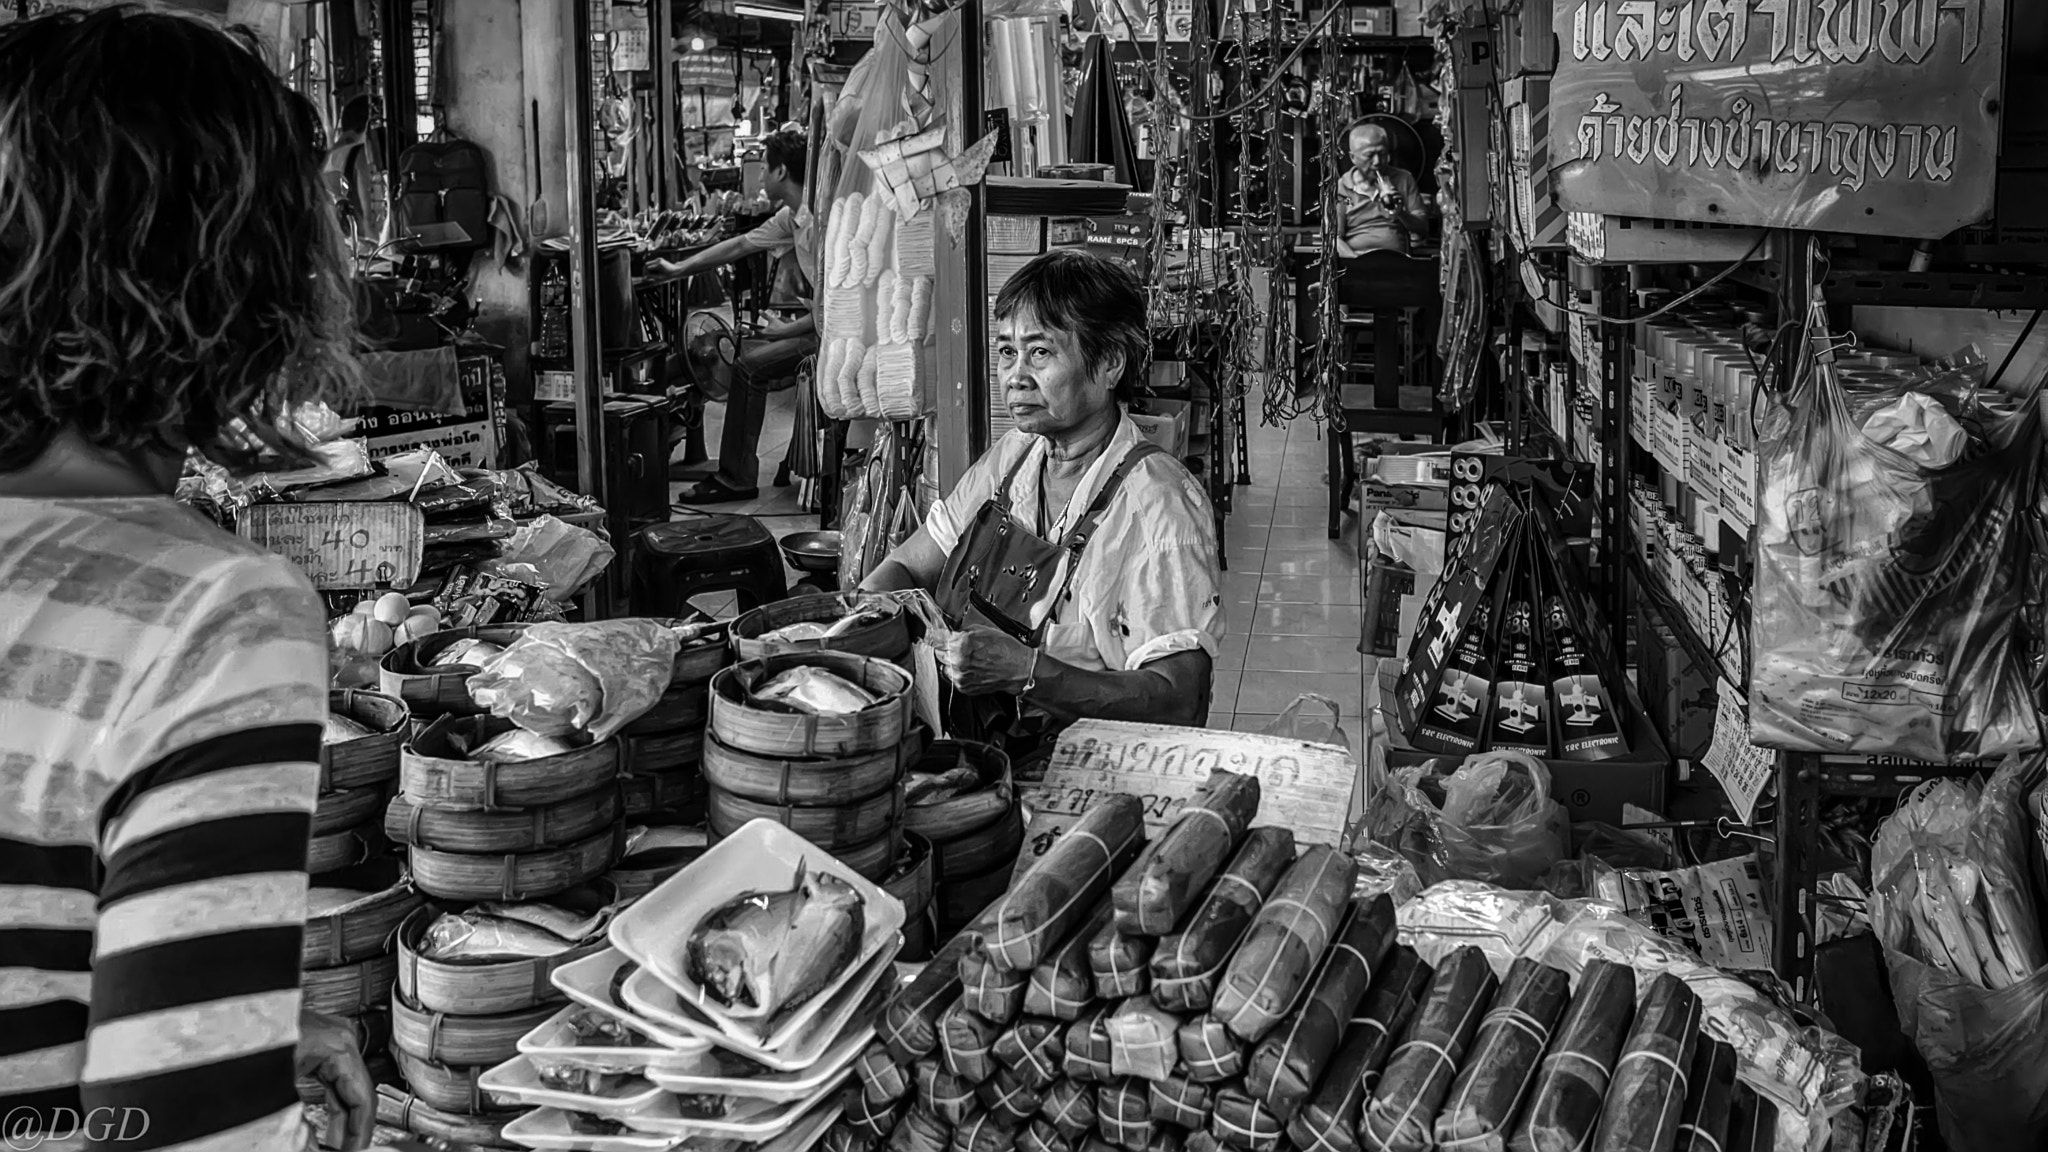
<point x="707" y="1072"/>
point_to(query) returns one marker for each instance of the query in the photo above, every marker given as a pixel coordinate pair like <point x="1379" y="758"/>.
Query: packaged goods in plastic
<point x="1034" y="1051"/>
<point x="994" y="992"/>
<point x="1153" y="896"/>
<point x="968" y="1043"/>
<point x="1142" y="1039"/>
<point x="1489" y="817"/>
<point x="1285" y="1066"/>
<point x="1062" y="985"/>
<point x="1009" y="1100"/>
<point x="1646" y="1094"/>
<point x="1328" y="1121"/>
<point x="1047" y="903"/>
<point x="1401" y="1115"/>
<point x="1186" y="965"/>
<point x="1069" y="1105"/>
<point x="1210" y="1051"/>
<point x="1119" y="962"/>
<point x="1088" y="1046"/>
<point x="1284" y="943"/>
<point x="1571" y="1082"/>
<point x="584" y="679"/>
<point x="943" y="1094"/>
<point x="1495" y="1078"/>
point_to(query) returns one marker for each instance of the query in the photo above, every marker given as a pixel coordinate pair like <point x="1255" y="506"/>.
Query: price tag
<point x="344" y="544"/>
<point x="1305" y="787"/>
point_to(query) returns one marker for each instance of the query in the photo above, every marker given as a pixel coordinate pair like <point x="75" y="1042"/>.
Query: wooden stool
<point x="682" y="559"/>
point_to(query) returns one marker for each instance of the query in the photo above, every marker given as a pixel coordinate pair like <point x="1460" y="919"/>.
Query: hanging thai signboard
<point x="1872" y="116"/>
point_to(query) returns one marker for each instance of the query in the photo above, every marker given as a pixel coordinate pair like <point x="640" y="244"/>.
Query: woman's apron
<point x="999" y="576"/>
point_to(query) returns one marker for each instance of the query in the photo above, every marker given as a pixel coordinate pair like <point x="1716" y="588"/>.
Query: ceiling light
<point x="763" y="12"/>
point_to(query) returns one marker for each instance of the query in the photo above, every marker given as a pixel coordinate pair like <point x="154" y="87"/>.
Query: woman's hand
<point x="983" y="661"/>
<point x="328" y="1053"/>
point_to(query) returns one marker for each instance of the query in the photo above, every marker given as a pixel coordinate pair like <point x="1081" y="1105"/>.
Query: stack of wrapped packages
<point x="1221" y="989"/>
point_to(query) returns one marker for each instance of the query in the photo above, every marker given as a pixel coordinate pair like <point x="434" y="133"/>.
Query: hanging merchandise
<point x="1891" y="534"/>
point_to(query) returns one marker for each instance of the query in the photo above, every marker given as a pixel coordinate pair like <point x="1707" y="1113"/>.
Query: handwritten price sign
<point x="1305" y="787"/>
<point x="342" y="545"/>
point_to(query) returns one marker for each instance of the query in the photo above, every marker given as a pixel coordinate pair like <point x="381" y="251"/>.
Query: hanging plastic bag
<point x="1301" y="721"/>
<point x="1489" y="817"/>
<point x="1886" y="590"/>
<point x="566" y="679"/>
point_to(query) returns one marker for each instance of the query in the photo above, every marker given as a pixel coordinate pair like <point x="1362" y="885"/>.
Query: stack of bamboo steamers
<point x="1219" y="989"/>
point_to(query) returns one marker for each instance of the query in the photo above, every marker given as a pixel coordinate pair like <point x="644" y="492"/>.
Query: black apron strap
<point x="1002" y="492"/>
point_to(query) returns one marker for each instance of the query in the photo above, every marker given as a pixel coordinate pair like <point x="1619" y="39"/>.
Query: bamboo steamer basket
<point x="642" y="871"/>
<point x="504" y="830"/>
<point x="408" y="671"/>
<point x="649" y="793"/>
<point x="432" y="770"/>
<point x="371" y="759"/>
<point x="875" y="859"/>
<point x="992" y="848"/>
<point x="487" y="988"/>
<point x="682" y="707"/>
<point x="661" y="751"/>
<point x="888" y="639"/>
<point x="346" y="808"/>
<point x="364" y="929"/>
<point x="517" y="875"/>
<point x="463" y="1041"/>
<point x="449" y="1087"/>
<point x="351" y="989"/>
<point x="764" y="732"/>
<point x="697" y="663"/>
<point x="911" y="878"/>
<point x="958" y="902"/>
<point x="382" y="1068"/>
<point x="955" y="817"/>
<point x="919" y="934"/>
<point x="406" y="1110"/>
<point x="829" y="827"/>
<point x="344" y="849"/>
<point x="782" y="780"/>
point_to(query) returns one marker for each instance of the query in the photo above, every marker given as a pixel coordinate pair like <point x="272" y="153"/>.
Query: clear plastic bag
<point x="594" y="679"/>
<point x="1887" y="591"/>
<point x="565" y="558"/>
<point x="1300" y="721"/>
<point x="1488" y="817"/>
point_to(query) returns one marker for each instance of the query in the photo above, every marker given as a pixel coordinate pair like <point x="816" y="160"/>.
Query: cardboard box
<point x="1016" y="235"/>
<point x="1677" y="692"/>
<point x="1589" y="790"/>
<point x="1166" y="425"/>
<point x="1371" y="21"/>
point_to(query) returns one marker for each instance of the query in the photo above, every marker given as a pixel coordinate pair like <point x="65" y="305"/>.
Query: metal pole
<point x="668" y="189"/>
<point x="585" y="344"/>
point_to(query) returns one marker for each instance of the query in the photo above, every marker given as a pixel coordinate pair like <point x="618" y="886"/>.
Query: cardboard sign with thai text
<point x="1868" y="116"/>
<point x="343" y="544"/>
<point x="1304" y="787"/>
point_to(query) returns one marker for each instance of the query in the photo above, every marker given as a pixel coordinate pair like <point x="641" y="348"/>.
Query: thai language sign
<point x="1874" y="116"/>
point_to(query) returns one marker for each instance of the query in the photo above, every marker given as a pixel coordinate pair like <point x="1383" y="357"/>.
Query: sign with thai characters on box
<point x="1870" y="116"/>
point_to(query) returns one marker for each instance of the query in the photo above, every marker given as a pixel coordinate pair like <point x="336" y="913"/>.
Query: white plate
<point x="589" y="982"/>
<point x="548" y="1128"/>
<point x="700" y="1074"/>
<point x="777" y="1122"/>
<point x="762" y="854"/>
<point x="862" y="996"/>
<point x="552" y="1042"/>
<point x="517" y="1081"/>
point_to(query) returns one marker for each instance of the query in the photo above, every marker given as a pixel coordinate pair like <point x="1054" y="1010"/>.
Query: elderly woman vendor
<point x="1076" y="561"/>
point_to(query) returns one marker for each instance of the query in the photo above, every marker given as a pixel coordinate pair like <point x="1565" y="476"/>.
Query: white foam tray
<point x="861" y="994"/>
<point x="794" y="1125"/>
<point x="700" y="1075"/>
<point x="589" y="982"/>
<point x="517" y="1081"/>
<point x="548" y="1129"/>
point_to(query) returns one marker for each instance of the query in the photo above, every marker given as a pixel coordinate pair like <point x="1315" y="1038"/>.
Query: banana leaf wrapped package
<point x="1088" y="1047"/>
<point x="1062" y="985"/>
<point x="943" y="1094"/>
<point x="910" y="1021"/>
<point x="1202" y="1140"/>
<point x="1494" y="1082"/>
<point x="1752" y="1122"/>
<point x="968" y="1043"/>
<point x="1180" y="1101"/>
<point x="1285" y="1066"/>
<point x="1046" y="904"/>
<point x="1095" y="1143"/>
<point x="1141" y="1040"/>
<point x="1034" y="1051"/>
<point x="866" y="1116"/>
<point x="1153" y="895"/>
<point x="882" y="1076"/>
<point x="1124" y="1113"/>
<point x="1328" y="1121"/>
<point x="1647" y="1094"/>
<point x="994" y="992"/>
<point x="980" y="1132"/>
<point x="1401" y="1116"/>
<point x="1242" y="1121"/>
<point x="1710" y="1087"/>
<point x="920" y="1131"/>
<point x="1118" y="962"/>
<point x="1040" y="1136"/>
<point x="842" y="1138"/>
<point x="1164" y="1140"/>
<point x="1008" y="1100"/>
<point x="1211" y="1053"/>
<point x="1070" y="1107"/>
<point x="1263" y="980"/>
<point x="1185" y="965"/>
<point x="1571" y="1082"/>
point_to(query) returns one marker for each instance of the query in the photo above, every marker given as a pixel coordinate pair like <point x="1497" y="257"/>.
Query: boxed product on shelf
<point x="1628" y="240"/>
<point x="1677" y="692"/>
<point x="1166" y="424"/>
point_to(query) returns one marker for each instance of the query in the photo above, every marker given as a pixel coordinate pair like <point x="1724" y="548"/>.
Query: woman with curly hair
<point x="171" y="282"/>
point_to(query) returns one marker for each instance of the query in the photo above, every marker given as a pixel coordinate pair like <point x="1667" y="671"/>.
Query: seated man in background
<point x="1381" y="204"/>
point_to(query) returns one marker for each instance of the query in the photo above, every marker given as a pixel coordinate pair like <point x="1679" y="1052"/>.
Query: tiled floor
<point x="1290" y="593"/>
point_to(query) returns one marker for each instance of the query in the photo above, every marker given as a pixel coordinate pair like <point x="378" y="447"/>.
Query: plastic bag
<point x="566" y="558"/>
<point x="1886" y="592"/>
<point x="558" y="679"/>
<point x="1300" y="722"/>
<point x="1489" y="817"/>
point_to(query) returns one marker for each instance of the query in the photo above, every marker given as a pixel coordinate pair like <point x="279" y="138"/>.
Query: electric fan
<point x="711" y="348"/>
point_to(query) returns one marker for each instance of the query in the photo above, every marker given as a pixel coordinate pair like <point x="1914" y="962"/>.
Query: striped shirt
<point x="162" y="691"/>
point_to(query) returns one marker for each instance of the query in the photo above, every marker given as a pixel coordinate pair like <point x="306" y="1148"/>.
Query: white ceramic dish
<point x="517" y="1081"/>
<point x="549" y="1129"/>
<point x="553" y="1042"/>
<point x="700" y="1075"/>
<point x="862" y="995"/>
<point x="774" y="1122"/>
<point x="762" y="855"/>
<point x="589" y="982"/>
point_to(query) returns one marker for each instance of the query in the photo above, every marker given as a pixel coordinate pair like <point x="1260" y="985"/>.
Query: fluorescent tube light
<point x="763" y="12"/>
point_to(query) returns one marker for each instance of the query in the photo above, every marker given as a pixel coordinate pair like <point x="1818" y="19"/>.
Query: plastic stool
<point x="682" y="559"/>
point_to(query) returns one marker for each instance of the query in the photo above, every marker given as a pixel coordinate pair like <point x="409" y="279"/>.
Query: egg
<point x="363" y="634"/>
<point x="392" y="609"/>
<point x="364" y="607"/>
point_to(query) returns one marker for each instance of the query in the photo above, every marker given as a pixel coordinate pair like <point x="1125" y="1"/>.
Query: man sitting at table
<point x="1381" y="204"/>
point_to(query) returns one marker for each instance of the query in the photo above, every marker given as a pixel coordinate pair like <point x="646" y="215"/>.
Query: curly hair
<point x="172" y="277"/>
<point x="1100" y="302"/>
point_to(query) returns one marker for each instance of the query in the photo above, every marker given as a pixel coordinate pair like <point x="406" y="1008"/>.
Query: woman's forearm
<point x="890" y="576"/>
<point x="1141" y="695"/>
